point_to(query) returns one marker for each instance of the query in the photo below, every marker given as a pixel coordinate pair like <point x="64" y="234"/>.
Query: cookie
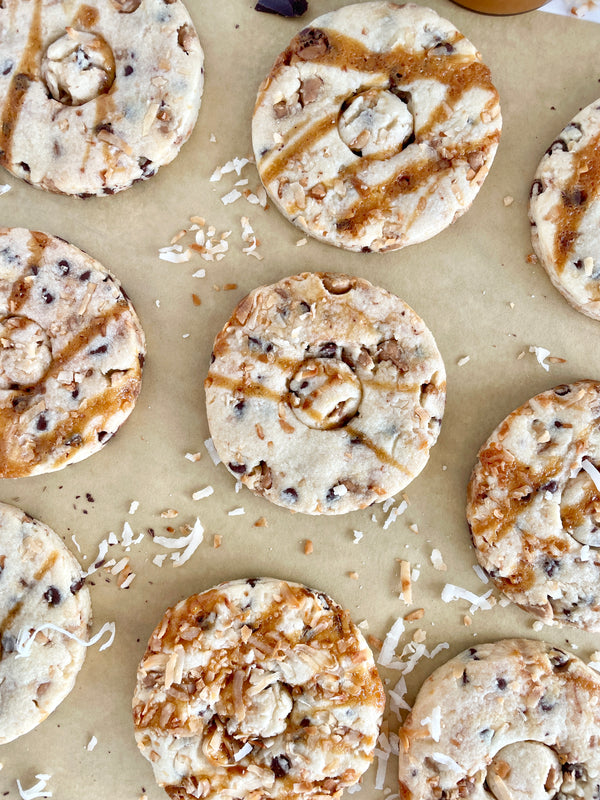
<point x="325" y="393"/>
<point x="376" y="127"/>
<point x="71" y="354"/>
<point x="564" y="211"/>
<point x="40" y="584"/>
<point x="257" y="688"/>
<point x="95" y="96"/>
<point x="514" y="720"/>
<point x="534" y="505"/>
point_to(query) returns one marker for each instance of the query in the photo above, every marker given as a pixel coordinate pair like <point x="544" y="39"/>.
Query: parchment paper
<point x="472" y="285"/>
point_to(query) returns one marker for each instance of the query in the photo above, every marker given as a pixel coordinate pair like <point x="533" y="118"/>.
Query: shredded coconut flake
<point x="4" y="188"/>
<point x="434" y="723"/>
<point x="212" y="451"/>
<point x="102" y="551"/>
<point x="230" y="197"/>
<point x="446" y="761"/>
<point x="391" y="642"/>
<point x="192" y="541"/>
<point x="202" y="493"/>
<point x="394" y="514"/>
<point x="37" y="790"/>
<point x="236" y="512"/>
<point x="159" y="558"/>
<point x="480" y="572"/>
<point x="541" y="354"/>
<point x="592" y="472"/>
<point x="134" y="506"/>
<point x="25" y="639"/>
<point x="438" y="561"/>
<point x="235" y="165"/>
<point x="358" y="535"/>
<point x="242" y="752"/>
<point x="91" y="744"/>
<point x="451" y="592"/>
<point x="173" y="257"/>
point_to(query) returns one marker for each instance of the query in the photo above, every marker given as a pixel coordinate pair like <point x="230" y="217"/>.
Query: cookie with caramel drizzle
<point x="376" y="127"/>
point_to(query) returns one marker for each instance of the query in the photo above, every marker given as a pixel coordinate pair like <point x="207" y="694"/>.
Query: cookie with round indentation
<point x="513" y="720"/>
<point x="325" y="393"/>
<point x="40" y="585"/>
<point x="71" y="354"/>
<point x="95" y="96"/>
<point x="534" y="505"/>
<point x="376" y="127"/>
<point x="564" y="211"/>
<point x="257" y="688"/>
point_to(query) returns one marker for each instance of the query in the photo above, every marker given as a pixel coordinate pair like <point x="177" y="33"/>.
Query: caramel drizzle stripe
<point x="38" y="576"/>
<point x="26" y="72"/>
<point x="583" y="184"/>
<point x="22" y="287"/>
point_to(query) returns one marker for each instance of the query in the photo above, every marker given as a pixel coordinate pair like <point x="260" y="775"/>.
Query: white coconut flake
<point x="4" y="188"/>
<point x="358" y="535"/>
<point x="397" y="695"/>
<point x="462" y="361"/>
<point x="76" y="543"/>
<point x="230" y="197"/>
<point x="128" y="581"/>
<point x="37" y="790"/>
<point x="91" y="744"/>
<point x="437" y="560"/>
<point x="382" y="762"/>
<point x="235" y="165"/>
<point x="25" y="638"/>
<point x="236" y="512"/>
<point x="202" y="493"/>
<point x="592" y="472"/>
<point x="195" y="539"/>
<point x="451" y="592"/>
<point x="134" y="506"/>
<point x="387" y="504"/>
<point x="390" y="643"/>
<point x="446" y="761"/>
<point x="212" y="451"/>
<point x="112" y="538"/>
<point x="434" y="723"/>
<point x="200" y="273"/>
<point x="174" y="257"/>
<point x="102" y="551"/>
<point x="159" y="559"/>
<point x="242" y="752"/>
<point x="480" y="572"/>
<point x="541" y="354"/>
<point x="394" y="514"/>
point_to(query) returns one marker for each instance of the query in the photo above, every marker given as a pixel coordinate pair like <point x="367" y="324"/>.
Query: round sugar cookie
<point x="325" y="393"/>
<point x="257" y="688"/>
<point x="376" y="127"/>
<point x="534" y="505"/>
<point x="71" y="354"/>
<point x="514" y="720"/>
<point x="95" y="96"/>
<point x="41" y="585"/>
<point x="564" y="211"/>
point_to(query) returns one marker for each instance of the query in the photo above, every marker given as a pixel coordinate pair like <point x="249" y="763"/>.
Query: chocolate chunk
<point x="562" y="390"/>
<point x="465" y="678"/>
<point x="546" y="704"/>
<point x="46" y="296"/>
<point x="98" y="350"/>
<point x="76" y="586"/>
<point x="501" y="684"/>
<point x="64" y="267"/>
<point x="52" y="596"/>
<point x="328" y="350"/>
<point x="536" y="188"/>
<point x="280" y="766"/>
<point x="7" y="67"/>
<point x="237" y="469"/>
<point x="556" y="146"/>
<point x="285" y="8"/>
<point x="128" y="70"/>
<point x="559" y="659"/>
<point x="311" y="44"/>
<point x="290" y="494"/>
<point x="550" y="566"/>
<point x="85" y="276"/>
<point x="74" y="441"/>
<point x="42" y="423"/>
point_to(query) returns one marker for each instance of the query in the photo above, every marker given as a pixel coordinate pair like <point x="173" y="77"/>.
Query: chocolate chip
<point x="546" y="704"/>
<point x="305" y="308"/>
<point x="42" y="423"/>
<point x="103" y="436"/>
<point x="252" y="582"/>
<point x="7" y="67"/>
<point x="85" y="276"/>
<point x="465" y="678"/>
<point x="98" y="350"/>
<point x="75" y="394"/>
<point x="76" y="586"/>
<point x="311" y="43"/>
<point x="8" y="643"/>
<point x="280" y="766"/>
<point x="74" y="441"/>
<point x="239" y="408"/>
<point x="562" y="390"/>
<point x="551" y="486"/>
<point x="46" y="296"/>
<point x="290" y="494"/>
<point x="576" y="770"/>
<point x="64" y="266"/>
<point x="550" y="566"/>
<point x="559" y="659"/>
<point x="305" y="723"/>
<point x="473" y="653"/>
<point x="328" y="350"/>
<point x="285" y="8"/>
<point x="441" y="49"/>
<point x="557" y="145"/>
<point x="323" y="600"/>
<point x="536" y="188"/>
<point x="52" y="596"/>
<point x="237" y="469"/>
<point x="146" y="166"/>
<point x="128" y="70"/>
<point x="25" y="166"/>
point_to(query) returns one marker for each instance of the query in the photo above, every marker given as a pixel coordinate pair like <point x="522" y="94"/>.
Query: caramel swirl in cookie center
<point x="325" y="393"/>
<point x="78" y="67"/>
<point x="25" y="352"/>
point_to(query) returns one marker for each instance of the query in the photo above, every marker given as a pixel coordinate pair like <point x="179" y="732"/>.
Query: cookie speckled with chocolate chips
<point x="534" y="505"/>
<point x="40" y="585"/>
<point x="513" y="720"/>
<point x="325" y="393"/>
<point x="71" y="354"/>
<point x="257" y="688"/>
<point x="376" y="127"/>
<point x="564" y="211"/>
<point x="95" y="96"/>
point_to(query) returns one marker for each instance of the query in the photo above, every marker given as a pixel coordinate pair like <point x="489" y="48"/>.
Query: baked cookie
<point x="71" y="354"/>
<point x="95" y="96"/>
<point x="564" y="211"/>
<point x="325" y="393"/>
<point x="514" y="720"/>
<point x="534" y="505"/>
<point x="40" y="584"/>
<point x="376" y="127"/>
<point x="257" y="688"/>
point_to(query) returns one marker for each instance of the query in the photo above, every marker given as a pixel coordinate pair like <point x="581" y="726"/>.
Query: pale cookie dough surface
<point x="564" y="211"/>
<point x="513" y="720"/>
<point x="325" y="393"/>
<point x="71" y="354"/>
<point x="40" y="584"/>
<point x="376" y="127"/>
<point x="96" y="96"/>
<point x="257" y="688"/>
<point x="534" y="509"/>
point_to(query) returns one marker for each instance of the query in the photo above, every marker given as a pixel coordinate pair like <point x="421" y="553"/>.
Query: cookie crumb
<point x="405" y="582"/>
<point x="508" y="200"/>
<point x="308" y="547"/>
<point x="418" y="613"/>
<point x="467" y="621"/>
<point x="202" y="493"/>
<point x="419" y="635"/>
<point x="532" y="258"/>
<point x="374" y="641"/>
<point x="169" y="513"/>
<point x="193" y="457"/>
<point x="462" y="361"/>
<point x="358" y="535"/>
<point x="438" y="561"/>
<point x="217" y="541"/>
<point x="353" y="575"/>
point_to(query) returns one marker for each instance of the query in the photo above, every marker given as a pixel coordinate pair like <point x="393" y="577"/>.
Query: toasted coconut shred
<point x="257" y="686"/>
